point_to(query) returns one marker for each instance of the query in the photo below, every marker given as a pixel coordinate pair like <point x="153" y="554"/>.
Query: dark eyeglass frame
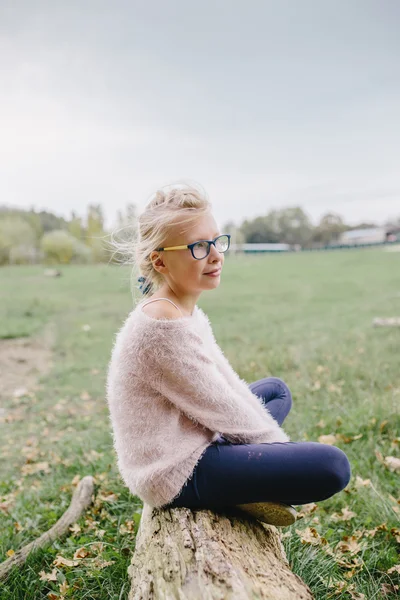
<point x="191" y="246"/>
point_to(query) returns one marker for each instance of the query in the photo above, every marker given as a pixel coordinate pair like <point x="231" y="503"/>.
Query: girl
<point x="187" y="430"/>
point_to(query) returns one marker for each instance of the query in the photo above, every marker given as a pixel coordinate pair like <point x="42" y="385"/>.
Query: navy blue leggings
<point x="291" y="472"/>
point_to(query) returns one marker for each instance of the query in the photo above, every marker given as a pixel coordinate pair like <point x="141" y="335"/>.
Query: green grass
<point x="303" y="317"/>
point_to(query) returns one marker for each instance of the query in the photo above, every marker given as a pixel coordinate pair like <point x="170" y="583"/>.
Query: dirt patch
<point x="23" y="361"/>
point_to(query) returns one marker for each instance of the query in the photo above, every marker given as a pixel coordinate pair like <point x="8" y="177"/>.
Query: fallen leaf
<point x="81" y="553"/>
<point x="372" y="532"/>
<point x="60" y="561"/>
<point x="345" y="516"/>
<point x="329" y="439"/>
<point x="310" y="535"/>
<point x="392" y="463"/>
<point x="362" y="482"/>
<point x="396" y="534"/>
<point x="48" y="576"/>
<point x="395" y="569"/>
<point x="30" y="469"/>
<point x="349" y="544"/>
<point x="75" y="529"/>
<point x="388" y="588"/>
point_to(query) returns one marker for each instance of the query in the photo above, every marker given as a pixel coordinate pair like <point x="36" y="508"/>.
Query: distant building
<point x="355" y="237"/>
<point x="248" y="248"/>
<point x="393" y="233"/>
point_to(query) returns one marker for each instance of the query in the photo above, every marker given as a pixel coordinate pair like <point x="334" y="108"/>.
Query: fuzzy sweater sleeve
<point x="189" y="378"/>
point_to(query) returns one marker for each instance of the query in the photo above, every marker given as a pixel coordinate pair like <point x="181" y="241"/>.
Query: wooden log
<point x="188" y="554"/>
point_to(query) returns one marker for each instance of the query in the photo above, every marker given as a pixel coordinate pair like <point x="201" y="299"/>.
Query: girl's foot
<point x="272" y="513"/>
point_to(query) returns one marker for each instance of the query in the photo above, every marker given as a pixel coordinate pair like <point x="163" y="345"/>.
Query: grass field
<point x="305" y="317"/>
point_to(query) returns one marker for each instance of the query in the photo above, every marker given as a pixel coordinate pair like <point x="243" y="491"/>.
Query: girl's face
<point x="181" y="269"/>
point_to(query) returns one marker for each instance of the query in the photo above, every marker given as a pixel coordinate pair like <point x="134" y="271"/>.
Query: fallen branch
<point x="208" y="555"/>
<point x="81" y="499"/>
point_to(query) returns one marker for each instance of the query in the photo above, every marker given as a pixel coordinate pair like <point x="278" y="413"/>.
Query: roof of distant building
<point x="355" y="233"/>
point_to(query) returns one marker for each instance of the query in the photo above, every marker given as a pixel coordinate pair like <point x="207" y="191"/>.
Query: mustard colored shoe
<point x="272" y="513"/>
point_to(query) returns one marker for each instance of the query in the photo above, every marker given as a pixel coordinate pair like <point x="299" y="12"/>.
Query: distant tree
<point x="295" y="226"/>
<point x="17" y="237"/>
<point x="51" y="222"/>
<point x="75" y="226"/>
<point x="237" y="236"/>
<point x="95" y="236"/>
<point x="261" y="230"/>
<point x="60" y="247"/>
<point x="329" y="229"/>
<point x="288" y="225"/>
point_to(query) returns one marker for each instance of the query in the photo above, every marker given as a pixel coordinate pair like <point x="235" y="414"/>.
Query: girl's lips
<point x="215" y="274"/>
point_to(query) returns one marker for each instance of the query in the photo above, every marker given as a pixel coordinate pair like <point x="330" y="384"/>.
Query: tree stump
<point x="188" y="554"/>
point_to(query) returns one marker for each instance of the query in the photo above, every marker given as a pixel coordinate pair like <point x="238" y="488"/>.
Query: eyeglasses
<point x="201" y="249"/>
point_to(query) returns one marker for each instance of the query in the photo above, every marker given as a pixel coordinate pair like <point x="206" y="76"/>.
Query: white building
<point x="373" y="235"/>
<point x="263" y="247"/>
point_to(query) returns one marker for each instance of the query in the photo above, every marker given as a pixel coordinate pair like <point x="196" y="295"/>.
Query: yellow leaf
<point x="329" y="439"/>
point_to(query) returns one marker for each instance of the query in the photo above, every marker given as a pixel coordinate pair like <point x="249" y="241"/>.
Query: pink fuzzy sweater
<point x="171" y="392"/>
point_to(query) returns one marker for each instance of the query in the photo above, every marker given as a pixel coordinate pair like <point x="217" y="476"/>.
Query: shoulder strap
<point x="155" y="299"/>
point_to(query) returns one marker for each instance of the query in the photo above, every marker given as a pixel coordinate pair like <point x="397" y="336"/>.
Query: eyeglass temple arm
<point x="188" y="245"/>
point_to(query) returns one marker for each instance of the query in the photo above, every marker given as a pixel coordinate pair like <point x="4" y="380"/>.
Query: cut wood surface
<point x="190" y="554"/>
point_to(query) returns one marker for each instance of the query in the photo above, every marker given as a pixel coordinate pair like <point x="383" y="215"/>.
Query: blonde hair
<point x="179" y="203"/>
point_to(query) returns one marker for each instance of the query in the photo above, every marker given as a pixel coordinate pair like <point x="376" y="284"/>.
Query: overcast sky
<point x="265" y="103"/>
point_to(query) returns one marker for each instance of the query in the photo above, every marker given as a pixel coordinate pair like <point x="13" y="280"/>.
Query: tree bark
<point x="188" y="554"/>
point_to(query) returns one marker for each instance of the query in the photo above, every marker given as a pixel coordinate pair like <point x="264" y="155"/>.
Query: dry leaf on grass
<point x="345" y="516"/>
<point x="48" y="576"/>
<point x="329" y="439"/>
<point x="60" y="561"/>
<point x="390" y="462"/>
<point x="30" y="469"/>
<point x="395" y="569"/>
<point x="396" y="534"/>
<point x="349" y="544"/>
<point x="310" y="535"/>
<point x="341" y="587"/>
<point x="372" y="532"/>
<point x="307" y="509"/>
<point x="362" y="482"/>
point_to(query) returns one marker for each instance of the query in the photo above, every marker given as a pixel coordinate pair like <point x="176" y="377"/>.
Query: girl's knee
<point x="339" y="469"/>
<point x="284" y="388"/>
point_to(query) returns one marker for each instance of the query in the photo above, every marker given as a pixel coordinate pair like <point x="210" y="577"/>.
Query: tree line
<point x="30" y="236"/>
